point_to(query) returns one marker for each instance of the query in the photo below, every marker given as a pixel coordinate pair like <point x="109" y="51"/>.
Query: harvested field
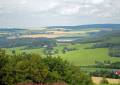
<point x="54" y="34"/>
<point x="97" y="80"/>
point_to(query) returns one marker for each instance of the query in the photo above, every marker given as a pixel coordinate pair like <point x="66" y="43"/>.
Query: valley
<point x="93" y="50"/>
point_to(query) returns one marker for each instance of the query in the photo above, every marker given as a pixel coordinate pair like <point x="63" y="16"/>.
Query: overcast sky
<point x="35" y="13"/>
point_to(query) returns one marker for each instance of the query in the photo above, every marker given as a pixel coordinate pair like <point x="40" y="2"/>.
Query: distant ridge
<point x="117" y="26"/>
<point x="11" y="29"/>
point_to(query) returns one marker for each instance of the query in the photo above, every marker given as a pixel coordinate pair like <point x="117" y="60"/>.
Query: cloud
<point x="97" y="1"/>
<point x="58" y="11"/>
<point x="69" y="9"/>
<point x="22" y="2"/>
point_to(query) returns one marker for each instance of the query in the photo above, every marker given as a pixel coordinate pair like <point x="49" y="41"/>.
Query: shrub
<point x="104" y="81"/>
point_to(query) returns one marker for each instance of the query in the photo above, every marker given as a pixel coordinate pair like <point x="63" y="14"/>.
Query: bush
<point x="104" y="81"/>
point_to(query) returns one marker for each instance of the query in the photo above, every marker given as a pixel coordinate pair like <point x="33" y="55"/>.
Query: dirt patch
<point x="57" y="83"/>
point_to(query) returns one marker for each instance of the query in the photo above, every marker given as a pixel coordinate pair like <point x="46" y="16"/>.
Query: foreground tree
<point x="3" y="62"/>
<point x="32" y="68"/>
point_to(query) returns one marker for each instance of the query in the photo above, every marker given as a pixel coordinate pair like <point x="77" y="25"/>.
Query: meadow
<point x="82" y="56"/>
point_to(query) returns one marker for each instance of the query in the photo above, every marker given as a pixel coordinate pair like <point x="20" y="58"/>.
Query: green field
<point x="82" y="56"/>
<point x="19" y="50"/>
<point x="79" y="57"/>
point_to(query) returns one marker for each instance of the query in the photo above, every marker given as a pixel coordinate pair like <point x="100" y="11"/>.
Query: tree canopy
<point x="33" y="68"/>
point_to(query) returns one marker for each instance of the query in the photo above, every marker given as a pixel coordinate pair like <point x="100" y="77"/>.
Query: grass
<point x="79" y="57"/>
<point x="19" y="50"/>
<point x="82" y="56"/>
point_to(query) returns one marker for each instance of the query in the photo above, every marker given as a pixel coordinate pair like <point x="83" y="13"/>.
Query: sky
<point x="35" y="13"/>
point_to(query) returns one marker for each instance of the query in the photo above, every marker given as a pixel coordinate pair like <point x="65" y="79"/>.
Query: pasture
<point x="82" y="56"/>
